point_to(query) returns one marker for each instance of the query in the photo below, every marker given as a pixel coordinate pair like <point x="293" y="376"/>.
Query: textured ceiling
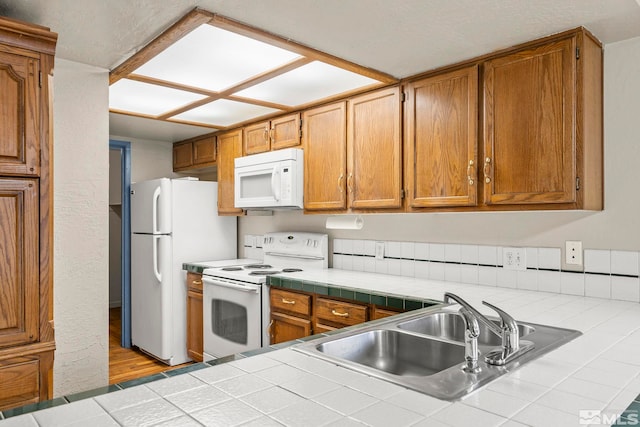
<point x="399" y="37"/>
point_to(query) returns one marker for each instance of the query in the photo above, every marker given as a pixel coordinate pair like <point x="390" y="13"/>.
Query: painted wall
<point x="616" y="227"/>
<point x="115" y="228"/>
<point x="81" y="227"/>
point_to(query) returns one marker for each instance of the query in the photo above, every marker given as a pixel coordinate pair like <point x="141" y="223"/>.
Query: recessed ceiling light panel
<point x="143" y="98"/>
<point x="224" y="113"/>
<point x="214" y="59"/>
<point x="306" y="84"/>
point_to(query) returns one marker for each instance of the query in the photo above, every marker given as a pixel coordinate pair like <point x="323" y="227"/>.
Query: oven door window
<point x="229" y="320"/>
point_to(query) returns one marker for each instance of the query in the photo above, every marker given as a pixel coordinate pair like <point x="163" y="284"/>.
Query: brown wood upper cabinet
<point x="229" y="147"/>
<point x="324" y="140"/>
<point x="374" y="150"/>
<point x="20" y="106"/>
<point x="543" y="125"/>
<point x="281" y="132"/>
<point x="194" y="153"/>
<point x="441" y="141"/>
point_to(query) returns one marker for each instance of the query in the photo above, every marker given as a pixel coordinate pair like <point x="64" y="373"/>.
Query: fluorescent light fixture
<point x="214" y="59"/>
<point x="224" y="113"/>
<point x="143" y="98"/>
<point x="306" y="84"/>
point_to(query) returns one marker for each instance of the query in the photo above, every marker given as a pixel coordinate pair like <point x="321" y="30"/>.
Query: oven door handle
<point x="293" y="255"/>
<point x="231" y="285"/>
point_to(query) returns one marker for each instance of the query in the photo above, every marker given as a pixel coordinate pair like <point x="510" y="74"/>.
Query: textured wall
<point x="616" y="227"/>
<point x="81" y="179"/>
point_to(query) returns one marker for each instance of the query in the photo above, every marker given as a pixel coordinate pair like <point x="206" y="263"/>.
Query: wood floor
<point x="127" y="364"/>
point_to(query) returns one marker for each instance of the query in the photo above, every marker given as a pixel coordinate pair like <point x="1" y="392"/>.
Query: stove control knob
<point x="315" y="243"/>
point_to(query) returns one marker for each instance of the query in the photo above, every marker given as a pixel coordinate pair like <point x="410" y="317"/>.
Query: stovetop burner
<point x="231" y="268"/>
<point x="291" y="270"/>
<point x="263" y="273"/>
<point x="257" y="266"/>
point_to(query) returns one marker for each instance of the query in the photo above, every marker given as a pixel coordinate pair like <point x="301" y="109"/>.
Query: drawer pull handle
<point x="288" y="301"/>
<point x="337" y="313"/>
<point x="197" y="282"/>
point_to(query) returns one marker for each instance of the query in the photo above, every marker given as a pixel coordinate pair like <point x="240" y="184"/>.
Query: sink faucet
<point x="507" y="331"/>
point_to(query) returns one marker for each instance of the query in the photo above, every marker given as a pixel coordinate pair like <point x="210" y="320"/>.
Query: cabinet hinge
<point x="577" y="183"/>
<point x="403" y="96"/>
<point x="300" y="129"/>
<point x="577" y="53"/>
<point x="402" y="193"/>
<point x="40" y="78"/>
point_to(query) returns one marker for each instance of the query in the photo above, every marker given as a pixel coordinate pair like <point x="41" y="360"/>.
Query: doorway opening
<point x="120" y="235"/>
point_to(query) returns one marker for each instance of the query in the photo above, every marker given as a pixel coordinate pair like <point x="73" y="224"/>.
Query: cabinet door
<point x="285" y="131"/>
<point x="256" y="138"/>
<point x="195" y="345"/>
<point x="529" y="120"/>
<point x="324" y="139"/>
<point x="19" y="278"/>
<point x="19" y="110"/>
<point x="20" y="380"/>
<point x="374" y="152"/>
<point x="204" y="151"/>
<point x="441" y="140"/>
<point x="287" y="328"/>
<point x="182" y="155"/>
<point x="229" y="147"/>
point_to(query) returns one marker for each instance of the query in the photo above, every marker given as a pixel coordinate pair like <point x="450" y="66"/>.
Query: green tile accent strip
<point x="344" y="293"/>
<point x="190" y="368"/>
<point x="363" y="297"/>
<point x="412" y="304"/>
<point x="307" y="287"/>
<point x="378" y="300"/>
<point x="91" y="393"/>
<point x="334" y="292"/>
<point x="321" y="290"/>
<point x="225" y="359"/>
<point x="257" y="351"/>
<point x="143" y="380"/>
<point x="34" y="407"/>
<point x="395" y="302"/>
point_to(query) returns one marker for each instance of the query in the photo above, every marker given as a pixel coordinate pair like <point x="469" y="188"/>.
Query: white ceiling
<point x="399" y="37"/>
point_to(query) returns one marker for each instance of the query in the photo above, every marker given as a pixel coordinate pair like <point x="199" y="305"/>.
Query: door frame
<point x="125" y="162"/>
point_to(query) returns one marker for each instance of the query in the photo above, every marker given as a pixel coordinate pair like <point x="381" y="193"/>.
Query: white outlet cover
<point x="514" y="258"/>
<point x="573" y="252"/>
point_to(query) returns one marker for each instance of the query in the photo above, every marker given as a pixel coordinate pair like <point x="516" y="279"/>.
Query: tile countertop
<point x="598" y="371"/>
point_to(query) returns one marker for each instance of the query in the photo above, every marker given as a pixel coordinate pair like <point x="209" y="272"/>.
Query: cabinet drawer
<point x="338" y="312"/>
<point x="194" y="282"/>
<point x="20" y="382"/>
<point x="290" y="301"/>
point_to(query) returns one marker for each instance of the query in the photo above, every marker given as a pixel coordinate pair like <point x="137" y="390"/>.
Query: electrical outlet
<point x="573" y="252"/>
<point x="379" y="250"/>
<point x="514" y="258"/>
<point x="249" y="241"/>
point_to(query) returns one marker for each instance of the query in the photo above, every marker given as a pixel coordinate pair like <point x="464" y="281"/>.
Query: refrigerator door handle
<point x="156" y="270"/>
<point x="156" y="198"/>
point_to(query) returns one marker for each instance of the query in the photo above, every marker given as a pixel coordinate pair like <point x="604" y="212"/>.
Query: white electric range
<point x="236" y="298"/>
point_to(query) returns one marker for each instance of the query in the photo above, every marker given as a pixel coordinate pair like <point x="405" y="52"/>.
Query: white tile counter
<point x="599" y="370"/>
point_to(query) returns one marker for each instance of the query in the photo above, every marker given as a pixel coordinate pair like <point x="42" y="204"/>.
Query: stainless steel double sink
<point x="424" y="351"/>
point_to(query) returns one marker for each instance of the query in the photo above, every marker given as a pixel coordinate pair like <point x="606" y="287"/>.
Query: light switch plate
<point x="573" y="252"/>
<point x="514" y="258"/>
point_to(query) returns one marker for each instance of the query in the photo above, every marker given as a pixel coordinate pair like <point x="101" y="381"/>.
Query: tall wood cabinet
<point x="26" y="304"/>
<point x="229" y="147"/>
<point x="195" y="327"/>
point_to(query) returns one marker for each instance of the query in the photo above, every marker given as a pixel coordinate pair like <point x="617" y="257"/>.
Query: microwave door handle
<point x="274" y="185"/>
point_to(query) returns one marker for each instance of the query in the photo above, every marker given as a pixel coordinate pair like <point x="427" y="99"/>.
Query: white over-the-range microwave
<point x="271" y="180"/>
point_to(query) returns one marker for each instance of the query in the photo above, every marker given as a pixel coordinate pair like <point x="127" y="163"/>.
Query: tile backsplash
<point x="610" y="274"/>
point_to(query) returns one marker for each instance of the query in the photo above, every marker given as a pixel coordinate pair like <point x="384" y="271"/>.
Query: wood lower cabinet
<point x="26" y="226"/>
<point x="195" y="346"/>
<point x="337" y="313"/>
<point x="229" y="147"/>
<point x="441" y="140"/>
<point x="374" y="150"/>
<point x="324" y="140"/>
<point x="290" y="315"/>
<point x="297" y="314"/>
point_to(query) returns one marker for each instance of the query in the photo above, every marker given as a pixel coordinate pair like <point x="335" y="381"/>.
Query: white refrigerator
<point x="173" y="221"/>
